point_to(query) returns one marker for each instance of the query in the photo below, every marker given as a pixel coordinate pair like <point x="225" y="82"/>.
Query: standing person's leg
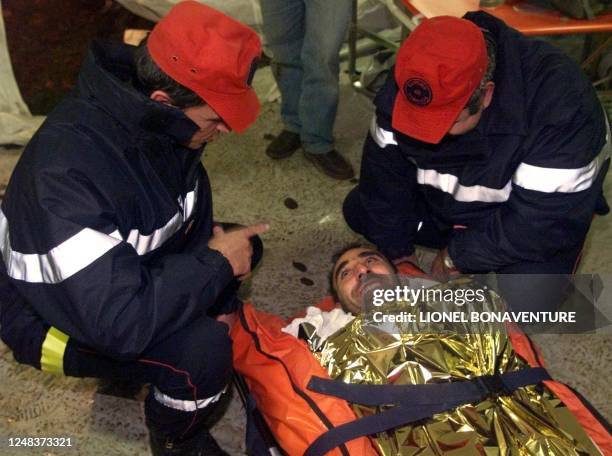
<point x="283" y="29"/>
<point x="325" y="30"/>
<point x="326" y="26"/>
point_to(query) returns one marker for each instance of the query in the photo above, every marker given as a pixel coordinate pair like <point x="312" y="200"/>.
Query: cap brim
<point x="428" y="124"/>
<point x="238" y="111"/>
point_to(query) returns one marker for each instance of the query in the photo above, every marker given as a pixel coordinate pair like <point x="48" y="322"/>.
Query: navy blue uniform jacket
<point x="525" y="182"/>
<point x="105" y="222"/>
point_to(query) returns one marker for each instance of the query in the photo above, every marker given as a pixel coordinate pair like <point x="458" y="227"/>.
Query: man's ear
<point x="489" y="88"/>
<point x="161" y="97"/>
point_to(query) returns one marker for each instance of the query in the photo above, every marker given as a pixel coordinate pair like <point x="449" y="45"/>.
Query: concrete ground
<point x="248" y="187"/>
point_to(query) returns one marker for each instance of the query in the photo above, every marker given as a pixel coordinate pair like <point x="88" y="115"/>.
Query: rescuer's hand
<point x="235" y="245"/>
<point x="410" y="259"/>
<point x="229" y="319"/>
<point x="440" y="269"/>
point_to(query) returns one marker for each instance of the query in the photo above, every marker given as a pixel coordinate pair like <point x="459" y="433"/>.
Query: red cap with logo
<point x="211" y="54"/>
<point x="438" y="68"/>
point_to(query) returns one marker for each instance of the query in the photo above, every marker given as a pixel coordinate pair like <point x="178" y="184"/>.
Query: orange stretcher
<point x="274" y="370"/>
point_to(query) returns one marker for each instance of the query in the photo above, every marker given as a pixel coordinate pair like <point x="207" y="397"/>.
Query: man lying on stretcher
<point x="358" y="269"/>
<point x="498" y="407"/>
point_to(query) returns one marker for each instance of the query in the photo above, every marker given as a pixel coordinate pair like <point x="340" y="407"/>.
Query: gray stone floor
<point x="248" y="188"/>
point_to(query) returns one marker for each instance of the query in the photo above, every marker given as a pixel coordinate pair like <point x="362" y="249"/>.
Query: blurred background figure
<point x="304" y="37"/>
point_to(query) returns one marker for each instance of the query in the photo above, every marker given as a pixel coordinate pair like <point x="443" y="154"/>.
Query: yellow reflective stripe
<point x="52" y="354"/>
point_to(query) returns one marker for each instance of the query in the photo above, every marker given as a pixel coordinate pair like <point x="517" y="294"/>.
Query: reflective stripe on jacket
<point x="526" y="181"/>
<point x="106" y="219"/>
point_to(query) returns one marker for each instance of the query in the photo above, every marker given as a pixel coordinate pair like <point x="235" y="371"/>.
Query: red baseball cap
<point x="437" y="69"/>
<point x="211" y="54"/>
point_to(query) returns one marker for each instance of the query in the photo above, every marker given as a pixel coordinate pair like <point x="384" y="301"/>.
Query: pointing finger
<point x="252" y="230"/>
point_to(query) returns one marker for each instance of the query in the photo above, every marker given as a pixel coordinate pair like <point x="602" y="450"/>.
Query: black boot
<point x="166" y="426"/>
<point x="200" y="444"/>
<point x="332" y="163"/>
<point x="284" y="145"/>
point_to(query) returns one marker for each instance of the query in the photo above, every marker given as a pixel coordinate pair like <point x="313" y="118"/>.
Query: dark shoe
<point x="201" y="444"/>
<point x="284" y="145"/>
<point x="332" y="163"/>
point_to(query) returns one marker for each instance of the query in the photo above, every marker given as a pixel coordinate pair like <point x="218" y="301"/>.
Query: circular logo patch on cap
<point x="418" y="91"/>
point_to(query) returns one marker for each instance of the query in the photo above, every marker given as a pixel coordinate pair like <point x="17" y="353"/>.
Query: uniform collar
<point x="108" y="79"/>
<point x="506" y="113"/>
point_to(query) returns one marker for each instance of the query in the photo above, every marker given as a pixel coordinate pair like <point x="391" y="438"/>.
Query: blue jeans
<point x="304" y="37"/>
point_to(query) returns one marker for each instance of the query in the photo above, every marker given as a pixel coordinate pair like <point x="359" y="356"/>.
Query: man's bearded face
<point x="350" y="274"/>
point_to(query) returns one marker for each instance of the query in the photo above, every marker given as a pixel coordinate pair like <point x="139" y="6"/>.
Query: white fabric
<point x="325" y="323"/>
<point x="17" y="125"/>
<point x="186" y="406"/>
<point x="82" y="249"/>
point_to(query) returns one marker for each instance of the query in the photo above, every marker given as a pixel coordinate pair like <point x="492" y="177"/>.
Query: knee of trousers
<point x="324" y="63"/>
<point x="202" y="363"/>
<point x="353" y="211"/>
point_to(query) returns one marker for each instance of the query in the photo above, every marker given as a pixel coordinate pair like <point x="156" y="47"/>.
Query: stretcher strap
<point x="429" y="394"/>
<point x="414" y="402"/>
<point x="52" y="352"/>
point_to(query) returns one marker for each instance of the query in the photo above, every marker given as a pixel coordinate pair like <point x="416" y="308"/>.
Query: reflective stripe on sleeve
<point x="61" y="262"/>
<point x="52" y="353"/>
<point x="189" y="203"/>
<point x="381" y="136"/>
<point x="449" y="183"/>
<point x="561" y="180"/>
<point x="83" y="248"/>
<point x="145" y="243"/>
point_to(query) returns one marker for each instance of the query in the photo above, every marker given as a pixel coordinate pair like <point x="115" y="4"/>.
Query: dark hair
<point x="152" y="78"/>
<point x="473" y="104"/>
<point x="353" y="245"/>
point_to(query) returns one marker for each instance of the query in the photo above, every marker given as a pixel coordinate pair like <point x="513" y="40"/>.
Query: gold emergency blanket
<point x="531" y="421"/>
